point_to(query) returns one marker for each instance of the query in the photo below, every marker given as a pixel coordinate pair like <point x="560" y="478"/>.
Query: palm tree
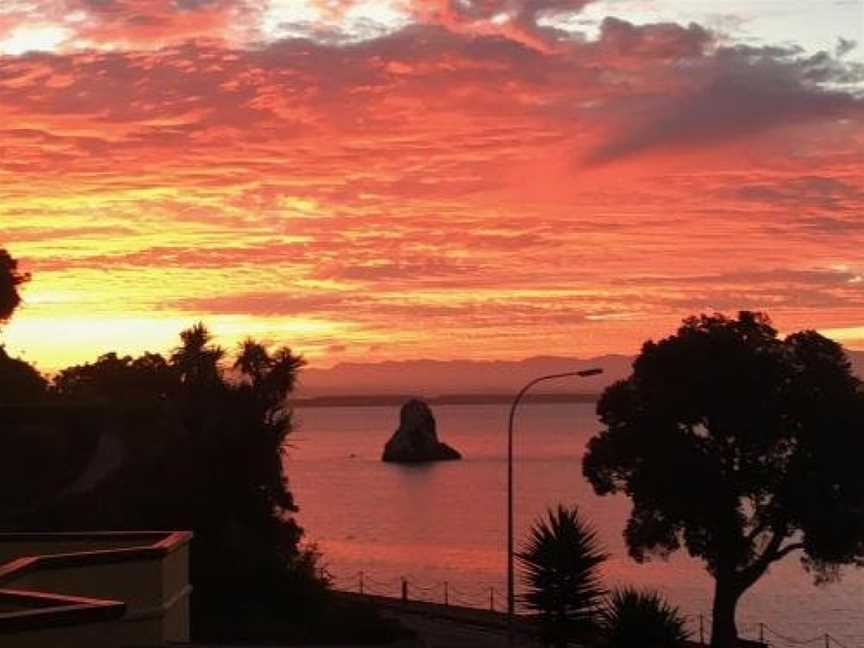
<point x="635" y="619"/>
<point x="561" y="569"/>
<point x="197" y="359"/>
<point x="253" y="360"/>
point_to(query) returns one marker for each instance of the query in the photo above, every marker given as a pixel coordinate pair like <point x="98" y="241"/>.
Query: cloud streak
<point x="459" y="167"/>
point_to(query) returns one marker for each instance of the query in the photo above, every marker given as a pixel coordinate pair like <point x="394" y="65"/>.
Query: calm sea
<point x="446" y="521"/>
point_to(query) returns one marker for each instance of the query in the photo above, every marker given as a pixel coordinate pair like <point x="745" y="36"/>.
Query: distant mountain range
<point x="455" y="379"/>
<point x="431" y="378"/>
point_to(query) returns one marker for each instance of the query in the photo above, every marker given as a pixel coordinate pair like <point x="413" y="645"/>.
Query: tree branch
<point x="785" y="551"/>
<point x="758" y="567"/>
<point x="759" y="528"/>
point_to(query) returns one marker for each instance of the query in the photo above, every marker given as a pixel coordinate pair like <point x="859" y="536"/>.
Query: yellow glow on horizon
<point x="253" y="166"/>
<point x="850" y="336"/>
<point x="76" y="339"/>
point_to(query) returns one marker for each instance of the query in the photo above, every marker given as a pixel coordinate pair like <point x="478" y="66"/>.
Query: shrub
<point x="561" y="568"/>
<point x="640" y="619"/>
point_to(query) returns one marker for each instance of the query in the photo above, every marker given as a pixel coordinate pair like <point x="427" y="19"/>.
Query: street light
<point x="511" y="598"/>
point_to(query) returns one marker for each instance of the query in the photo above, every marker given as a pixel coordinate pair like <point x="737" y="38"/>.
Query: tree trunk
<point x="724" y="633"/>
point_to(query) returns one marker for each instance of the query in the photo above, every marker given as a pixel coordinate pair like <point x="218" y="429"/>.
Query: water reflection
<point x="446" y="521"/>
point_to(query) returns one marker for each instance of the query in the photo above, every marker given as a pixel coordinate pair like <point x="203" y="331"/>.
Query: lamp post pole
<point x="511" y="596"/>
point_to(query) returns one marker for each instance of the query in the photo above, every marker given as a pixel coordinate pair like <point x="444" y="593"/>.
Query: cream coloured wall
<point x="154" y="585"/>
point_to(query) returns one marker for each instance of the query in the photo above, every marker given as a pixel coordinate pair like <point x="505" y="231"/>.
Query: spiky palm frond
<point x="641" y="619"/>
<point x="197" y="359"/>
<point x="253" y="359"/>
<point x="560" y="565"/>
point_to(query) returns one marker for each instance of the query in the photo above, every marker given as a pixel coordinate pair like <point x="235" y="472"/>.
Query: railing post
<point x="701" y="630"/>
<point x="361" y="583"/>
<point x="446" y="594"/>
<point x="827" y="640"/>
<point x="492" y="599"/>
<point x="404" y="590"/>
<point x="762" y="633"/>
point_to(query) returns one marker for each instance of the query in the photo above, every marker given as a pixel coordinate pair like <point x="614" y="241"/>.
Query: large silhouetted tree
<point x="741" y="447"/>
<point x="10" y="279"/>
<point x="207" y="454"/>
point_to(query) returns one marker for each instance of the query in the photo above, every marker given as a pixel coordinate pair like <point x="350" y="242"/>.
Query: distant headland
<point x="396" y="400"/>
<point x="472" y="379"/>
<point x="464" y="382"/>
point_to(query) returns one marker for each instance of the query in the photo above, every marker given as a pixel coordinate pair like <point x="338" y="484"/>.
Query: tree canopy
<point x="739" y="446"/>
<point x="19" y="382"/>
<point x="207" y="441"/>
<point x="10" y="280"/>
<point x="118" y="379"/>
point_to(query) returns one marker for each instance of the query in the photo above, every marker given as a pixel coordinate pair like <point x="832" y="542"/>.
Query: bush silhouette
<point x="635" y="619"/>
<point x="561" y="568"/>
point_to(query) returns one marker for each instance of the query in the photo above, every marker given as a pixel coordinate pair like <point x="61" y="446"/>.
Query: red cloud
<point x="435" y="171"/>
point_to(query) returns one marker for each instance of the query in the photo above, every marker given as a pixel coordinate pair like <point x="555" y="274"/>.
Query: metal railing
<point x="700" y="629"/>
<point x="440" y="593"/>
<point x="491" y="598"/>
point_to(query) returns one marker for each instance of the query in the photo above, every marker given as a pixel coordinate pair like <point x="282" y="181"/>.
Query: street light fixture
<point x="511" y="597"/>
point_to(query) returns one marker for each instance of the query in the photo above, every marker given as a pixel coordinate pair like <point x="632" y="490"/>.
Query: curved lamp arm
<point x="511" y="599"/>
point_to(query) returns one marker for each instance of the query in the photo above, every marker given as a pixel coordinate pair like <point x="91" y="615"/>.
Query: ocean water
<point x="447" y="521"/>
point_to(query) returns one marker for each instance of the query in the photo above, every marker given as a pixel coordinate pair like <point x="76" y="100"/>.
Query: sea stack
<point x="416" y="440"/>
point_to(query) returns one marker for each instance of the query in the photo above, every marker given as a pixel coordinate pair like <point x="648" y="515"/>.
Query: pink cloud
<point x="435" y="174"/>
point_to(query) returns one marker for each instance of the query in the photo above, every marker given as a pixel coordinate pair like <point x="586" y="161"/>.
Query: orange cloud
<point x="426" y="184"/>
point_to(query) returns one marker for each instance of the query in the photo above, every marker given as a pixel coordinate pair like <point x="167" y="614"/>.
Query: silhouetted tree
<point x="259" y="397"/>
<point x="206" y="453"/>
<point x="207" y="449"/>
<point x="197" y="359"/>
<point x="117" y="380"/>
<point x="634" y="619"/>
<point x="561" y="567"/>
<point x="253" y="360"/>
<point x="741" y="447"/>
<point x="10" y="279"/>
<point x="19" y="382"/>
<point x="239" y="423"/>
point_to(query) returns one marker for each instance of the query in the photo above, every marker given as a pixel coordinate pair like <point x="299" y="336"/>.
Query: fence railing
<point x="491" y="598"/>
<point x="700" y="629"/>
<point x="442" y="593"/>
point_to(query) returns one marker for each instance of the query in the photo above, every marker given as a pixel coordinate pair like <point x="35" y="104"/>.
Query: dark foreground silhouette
<point x="741" y="447"/>
<point x="10" y="280"/>
<point x="154" y="443"/>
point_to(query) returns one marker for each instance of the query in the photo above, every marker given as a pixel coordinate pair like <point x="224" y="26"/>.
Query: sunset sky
<point x="391" y="179"/>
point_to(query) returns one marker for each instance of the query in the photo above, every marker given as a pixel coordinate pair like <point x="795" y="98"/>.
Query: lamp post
<point x="511" y="597"/>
